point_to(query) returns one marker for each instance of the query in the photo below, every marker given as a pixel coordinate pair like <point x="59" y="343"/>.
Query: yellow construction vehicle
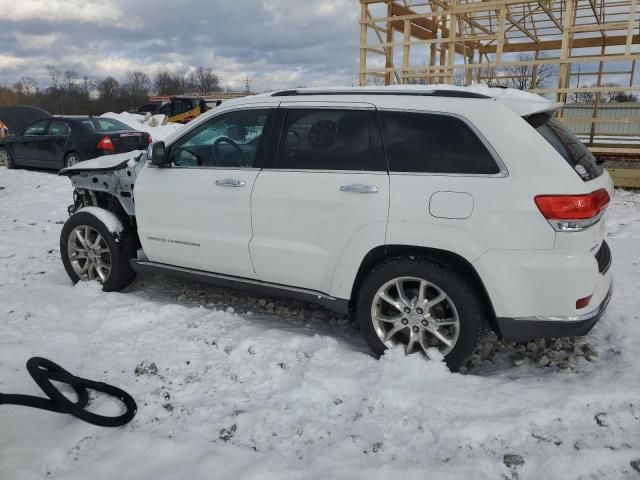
<point x="180" y="109"/>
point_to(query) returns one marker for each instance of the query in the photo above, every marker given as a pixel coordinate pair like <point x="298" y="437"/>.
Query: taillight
<point x="150" y="140"/>
<point x="571" y="213"/>
<point x="105" y="144"/>
<point x="583" y="302"/>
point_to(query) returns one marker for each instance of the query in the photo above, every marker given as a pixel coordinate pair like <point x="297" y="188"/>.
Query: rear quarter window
<point x="434" y="143"/>
<point x="574" y="152"/>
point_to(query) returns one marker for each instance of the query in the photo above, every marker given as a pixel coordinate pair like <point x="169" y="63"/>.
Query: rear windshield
<point x="104" y="124"/>
<point x="568" y="145"/>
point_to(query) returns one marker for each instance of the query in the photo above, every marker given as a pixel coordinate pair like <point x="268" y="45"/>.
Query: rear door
<point x="327" y="193"/>
<point x="53" y="144"/>
<point x="197" y="214"/>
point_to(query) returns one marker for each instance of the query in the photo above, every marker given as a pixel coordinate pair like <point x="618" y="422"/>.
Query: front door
<point x="325" y="201"/>
<point x="197" y="214"/>
<point x="27" y="149"/>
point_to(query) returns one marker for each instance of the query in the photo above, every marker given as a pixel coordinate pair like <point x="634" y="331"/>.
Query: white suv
<point x="431" y="213"/>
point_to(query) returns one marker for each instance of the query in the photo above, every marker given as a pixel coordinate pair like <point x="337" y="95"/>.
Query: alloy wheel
<point x="89" y="254"/>
<point x="416" y="313"/>
<point x="4" y="158"/>
<point x="72" y="159"/>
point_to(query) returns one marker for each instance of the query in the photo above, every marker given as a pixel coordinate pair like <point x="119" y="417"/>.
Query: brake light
<point x="573" y="212"/>
<point x="150" y="140"/>
<point x="105" y="144"/>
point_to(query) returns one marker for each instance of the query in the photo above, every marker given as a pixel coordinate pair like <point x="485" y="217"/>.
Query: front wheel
<point x="5" y="158"/>
<point x="90" y="252"/>
<point x="421" y="304"/>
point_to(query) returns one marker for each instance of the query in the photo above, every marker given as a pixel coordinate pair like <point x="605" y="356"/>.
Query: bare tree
<point x="108" y="88"/>
<point x="70" y="77"/>
<point x="138" y="84"/>
<point x="528" y="76"/>
<point x="54" y="74"/>
<point x="29" y="85"/>
<point x="164" y="82"/>
<point x="205" y="80"/>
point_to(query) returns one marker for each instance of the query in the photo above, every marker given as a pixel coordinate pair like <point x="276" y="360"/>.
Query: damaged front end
<point x="106" y="182"/>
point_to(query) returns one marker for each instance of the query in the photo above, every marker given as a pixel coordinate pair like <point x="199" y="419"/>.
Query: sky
<point x="275" y="43"/>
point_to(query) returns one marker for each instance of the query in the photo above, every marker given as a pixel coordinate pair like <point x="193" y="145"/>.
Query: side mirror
<point x="156" y="154"/>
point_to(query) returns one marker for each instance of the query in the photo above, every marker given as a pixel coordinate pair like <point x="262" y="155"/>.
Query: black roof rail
<point x="419" y="93"/>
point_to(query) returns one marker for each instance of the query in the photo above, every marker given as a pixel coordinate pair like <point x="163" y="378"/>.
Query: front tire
<point x="90" y="252"/>
<point x="421" y="304"/>
<point x="5" y="158"/>
<point x="71" y="159"/>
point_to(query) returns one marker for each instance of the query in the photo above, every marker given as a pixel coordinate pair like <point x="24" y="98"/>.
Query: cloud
<point x="275" y="43"/>
<point x="100" y="12"/>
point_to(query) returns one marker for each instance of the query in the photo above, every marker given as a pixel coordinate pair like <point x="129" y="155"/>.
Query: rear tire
<point x="71" y="159"/>
<point x="91" y="252"/>
<point x="5" y="158"/>
<point x="422" y="304"/>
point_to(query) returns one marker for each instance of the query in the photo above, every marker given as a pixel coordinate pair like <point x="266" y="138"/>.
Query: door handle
<point x="359" y="188"/>
<point x="230" y="182"/>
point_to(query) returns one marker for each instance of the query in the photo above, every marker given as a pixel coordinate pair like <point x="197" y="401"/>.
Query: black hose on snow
<point x="43" y="371"/>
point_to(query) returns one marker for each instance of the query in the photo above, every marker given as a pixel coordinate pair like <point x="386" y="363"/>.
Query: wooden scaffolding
<point x="581" y="52"/>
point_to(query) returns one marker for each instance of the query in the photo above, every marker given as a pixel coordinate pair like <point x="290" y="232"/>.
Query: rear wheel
<point x="90" y="252"/>
<point x="71" y="159"/>
<point x="5" y="158"/>
<point x="421" y="304"/>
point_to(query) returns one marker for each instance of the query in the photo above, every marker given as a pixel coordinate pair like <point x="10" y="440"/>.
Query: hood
<point x="105" y="163"/>
<point x="17" y="118"/>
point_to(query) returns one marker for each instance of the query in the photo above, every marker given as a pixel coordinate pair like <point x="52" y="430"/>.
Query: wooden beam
<point x="557" y="44"/>
<point x="625" y="177"/>
<point x="362" y="80"/>
<point x="631" y="25"/>
<point x="501" y="21"/>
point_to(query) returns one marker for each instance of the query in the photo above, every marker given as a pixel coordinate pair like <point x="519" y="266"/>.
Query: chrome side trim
<point x="336" y="304"/>
<point x="359" y="188"/>
<point x="574" y="318"/>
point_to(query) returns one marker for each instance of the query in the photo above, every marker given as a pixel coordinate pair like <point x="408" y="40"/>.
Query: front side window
<point x="434" y="143"/>
<point x="567" y="144"/>
<point x="38" y="128"/>
<point x="234" y="139"/>
<point x="322" y="139"/>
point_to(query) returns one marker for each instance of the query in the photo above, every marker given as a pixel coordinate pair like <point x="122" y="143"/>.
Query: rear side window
<point x="568" y="145"/>
<point x="58" y="127"/>
<point x="434" y="143"/>
<point x="327" y="139"/>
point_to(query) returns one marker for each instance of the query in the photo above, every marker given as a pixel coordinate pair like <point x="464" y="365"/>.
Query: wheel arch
<point x="386" y="252"/>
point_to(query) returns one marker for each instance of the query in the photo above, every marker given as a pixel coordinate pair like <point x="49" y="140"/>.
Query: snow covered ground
<point x="234" y="386"/>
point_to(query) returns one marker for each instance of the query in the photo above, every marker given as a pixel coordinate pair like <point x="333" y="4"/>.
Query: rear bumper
<point x="530" y="328"/>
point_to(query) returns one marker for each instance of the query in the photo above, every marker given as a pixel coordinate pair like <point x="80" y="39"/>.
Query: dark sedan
<point x="60" y="142"/>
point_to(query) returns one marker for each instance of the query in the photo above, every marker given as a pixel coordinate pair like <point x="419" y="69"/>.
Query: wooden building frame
<point x="585" y="48"/>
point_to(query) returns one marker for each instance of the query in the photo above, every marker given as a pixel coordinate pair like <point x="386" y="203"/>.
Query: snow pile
<point x="155" y="125"/>
<point x="231" y="385"/>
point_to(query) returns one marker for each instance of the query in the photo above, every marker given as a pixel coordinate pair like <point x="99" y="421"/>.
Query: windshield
<point x="568" y="145"/>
